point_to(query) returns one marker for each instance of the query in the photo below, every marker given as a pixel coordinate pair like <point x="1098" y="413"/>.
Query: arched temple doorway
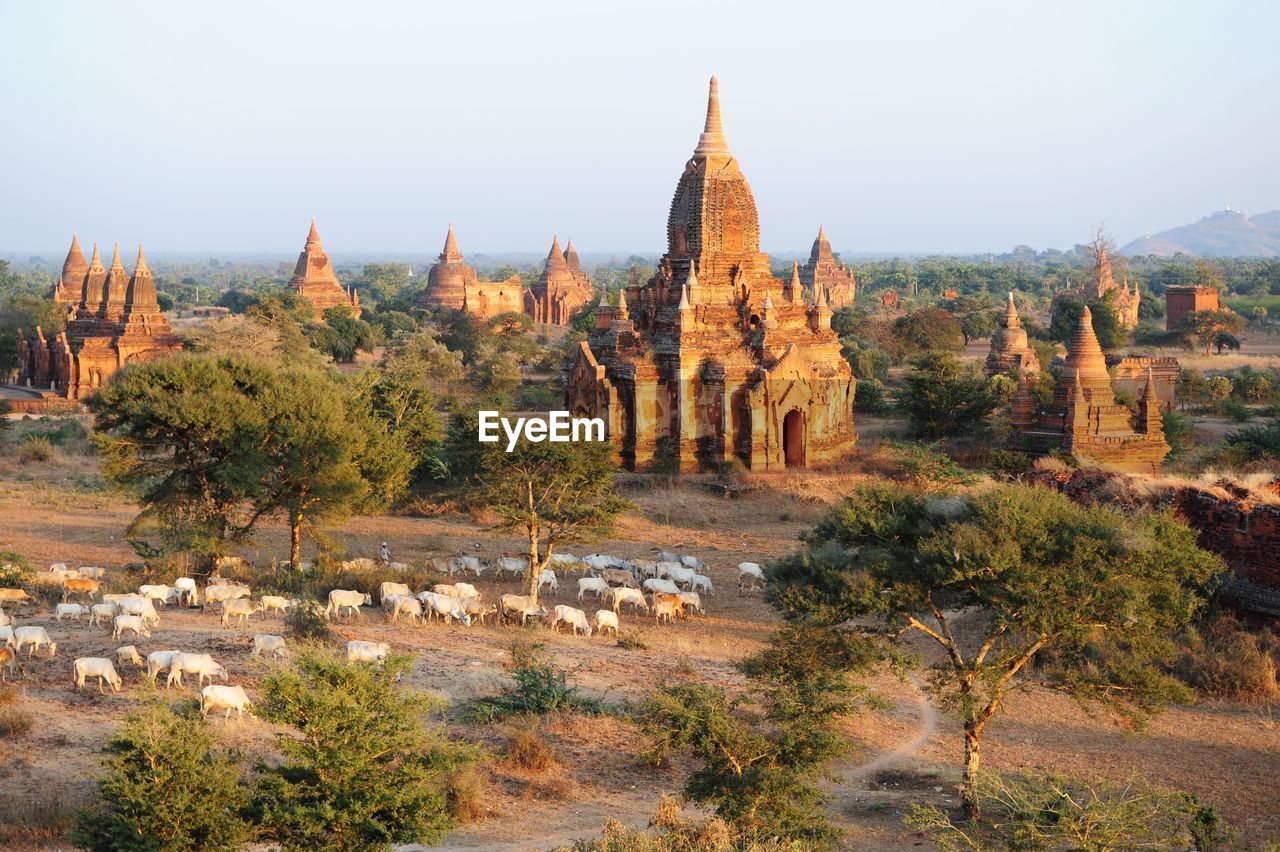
<point x="793" y="438"/>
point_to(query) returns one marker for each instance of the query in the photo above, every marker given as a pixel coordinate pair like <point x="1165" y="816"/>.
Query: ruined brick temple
<point x="1084" y="419"/>
<point x="1180" y="300"/>
<point x="314" y="279"/>
<point x="713" y="358"/>
<point x="1102" y="281"/>
<point x="113" y="317"/>
<point x="453" y="283"/>
<point x="823" y="270"/>
<point x="1011" y="352"/>
<point x="562" y="290"/>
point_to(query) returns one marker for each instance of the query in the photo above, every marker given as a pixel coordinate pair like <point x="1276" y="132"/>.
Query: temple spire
<point x="115" y="260"/>
<point x="794" y="287"/>
<point x="141" y="265"/>
<point x="555" y="258"/>
<point x="451" y="253"/>
<point x="1011" y="319"/>
<point x="684" y="300"/>
<point x="313" y="236"/>
<point x="97" y="260"/>
<point x="712" y="141"/>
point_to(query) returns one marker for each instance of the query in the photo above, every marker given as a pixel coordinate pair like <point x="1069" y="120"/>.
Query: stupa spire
<point x="451" y="253"/>
<point x="1011" y="319"/>
<point x="313" y="236"/>
<point x="97" y="259"/>
<point x="555" y="258"/>
<point x="115" y="260"/>
<point x="712" y="141"/>
<point x="141" y="265"/>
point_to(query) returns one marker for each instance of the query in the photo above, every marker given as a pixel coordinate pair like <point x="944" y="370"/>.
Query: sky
<point x="901" y="126"/>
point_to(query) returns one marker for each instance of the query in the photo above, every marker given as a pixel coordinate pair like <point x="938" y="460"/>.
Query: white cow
<point x="601" y="561"/>
<point x="367" y="652"/>
<point x="227" y="698"/>
<point x="465" y="591"/>
<point x="548" y="578"/>
<point x="128" y="654"/>
<point x="276" y="603"/>
<point x="225" y="592"/>
<point x="36" y="637"/>
<point x="450" y="608"/>
<point x="386" y="590"/>
<point x="159" y="661"/>
<point x="99" y="611"/>
<point x="462" y="564"/>
<point x="511" y="565"/>
<point x="99" y="667"/>
<point x="521" y="605"/>
<point x="668" y="556"/>
<point x="693" y="562"/>
<point x="93" y="572"/>
<point x="750" y="569"/>
<point x="160" y="593"/>
<point x="691" y="600"/>
<point x="196" y="664"/>
<point x="270" y="643"/>
<point x="130" y="622"/>
<point x="340" y="599"/>
<point x="632" y="596"/>
<point x="565" y="559"/>
<point x="72" y="611"/>
<point x="140" y="606"/>
<point x="403" y="604"/>
<point x="239" y="608"/>
<point x="592" y="584"/>
<point x="666" y="567"/>
<point x="680" y="575"/>
<point x="6" y="636"/>
<point x="572" y="616"/>
<point x="661" y="586"/>
<point x="187" y="590"/>
<point x="701" y="583"/>
<point x="477" y="610"/>
<point x="606" y="619"/>
<point x="647" y="567"/>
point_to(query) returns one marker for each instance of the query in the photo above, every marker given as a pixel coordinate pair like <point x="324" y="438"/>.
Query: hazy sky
<point x="900" y="125"/>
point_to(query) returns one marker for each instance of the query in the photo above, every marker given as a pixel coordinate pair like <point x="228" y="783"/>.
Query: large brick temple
<point x="823" y="270"/>
<point x="1084" y="420"/>
<point x="714" y="358"/>
<point x="314" y="279"/>
<point x="114" y="319"/>
<point x="453" y="283"/>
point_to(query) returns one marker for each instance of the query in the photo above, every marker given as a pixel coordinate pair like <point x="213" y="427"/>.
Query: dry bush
<point x="35" y="448"/>
<point x="15" y="722"/>
<point x="526" y="749"/>
<point x="8" y="695"/>
<point x="1224" y="659"/>
<point x="466" y="790"/>
<point x="39" y="824"/>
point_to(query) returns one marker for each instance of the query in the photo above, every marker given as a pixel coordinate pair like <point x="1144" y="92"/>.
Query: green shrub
<point x="165" y="789"/>
<point x="1235" y="410"/>
<point x="14" y="569"/>
<point x="307" y="620"/>
<point x="871" y="397"/>
<point x="539" y="688"/>
<point x="359" y="769"/>
<point x="1064" y="813"/>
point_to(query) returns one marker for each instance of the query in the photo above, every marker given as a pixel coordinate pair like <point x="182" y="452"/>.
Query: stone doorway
<point x="793" y="438"/>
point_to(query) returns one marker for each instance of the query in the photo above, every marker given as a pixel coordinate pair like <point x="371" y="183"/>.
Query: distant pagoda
<point x="823" y="270"/>
<point x="1085" y="421"/>
<point x="314" y="279"/>
<point x="1010" y="349"/>
<point x="562" y="290"/>
<point x="452" y="283"/>
<point x="114" y="320"/>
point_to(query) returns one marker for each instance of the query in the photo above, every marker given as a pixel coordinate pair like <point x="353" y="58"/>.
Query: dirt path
<point x="928" y="724"/>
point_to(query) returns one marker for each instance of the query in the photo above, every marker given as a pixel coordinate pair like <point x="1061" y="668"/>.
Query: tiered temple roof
<point x="1084" y="419"/>
<point x="823" y="270"/>
<point x="314" y="278"/>
<point x="562" y="290"/>
<point x="115" y="320"/>
<point x="713" y="358"/>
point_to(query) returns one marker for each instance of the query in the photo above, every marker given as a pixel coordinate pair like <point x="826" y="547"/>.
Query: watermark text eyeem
<point x="557" y="427"/>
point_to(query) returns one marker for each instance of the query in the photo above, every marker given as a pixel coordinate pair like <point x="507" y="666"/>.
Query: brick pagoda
<point x="453" y="283"/>
<point x="823" y="270"/>
<point x="314" y="278"/>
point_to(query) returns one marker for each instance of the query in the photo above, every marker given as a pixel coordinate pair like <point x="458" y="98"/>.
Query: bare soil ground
<point x="57" y="511"/>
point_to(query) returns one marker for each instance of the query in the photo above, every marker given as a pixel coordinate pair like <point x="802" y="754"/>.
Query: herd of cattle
<point x="669" y="587"/>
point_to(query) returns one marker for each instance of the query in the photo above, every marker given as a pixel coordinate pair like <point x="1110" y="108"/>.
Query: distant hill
<point x="1227" y="233"/>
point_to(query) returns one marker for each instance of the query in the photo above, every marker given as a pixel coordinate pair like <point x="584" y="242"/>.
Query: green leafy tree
<point x="978" y="325"/>
<point x="165" y="788"/>
<point x="928" y="330"/>
<point x="183" y="435"/>
<point x="1207" y="327"/>
<point x="555" y="493"/>
<point x="944" y="398"/>
<point x="324" y="455"/>
<point x="1064" y="321"/>
<point x="760" y="757"/>
<point x="1001" y="581"/>
<point x="360" y="771"/>
<point x="1218" y="388"/>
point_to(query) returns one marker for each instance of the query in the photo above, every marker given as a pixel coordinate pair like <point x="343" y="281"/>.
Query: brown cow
<point x="80" y="586"/>
<point x="16" y="596"/>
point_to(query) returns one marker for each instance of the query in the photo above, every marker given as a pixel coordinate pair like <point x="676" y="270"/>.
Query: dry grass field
<point x="57" y="511"/>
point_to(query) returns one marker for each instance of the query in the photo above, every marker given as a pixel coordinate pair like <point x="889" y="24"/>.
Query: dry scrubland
<point x="56" y="511"/>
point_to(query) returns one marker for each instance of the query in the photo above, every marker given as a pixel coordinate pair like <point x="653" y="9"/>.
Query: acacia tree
<point x="1093" y="596"/>
<point x="555" y="492"/>
<point x="944" y="397"/>
<point x="1208" y="328"/>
